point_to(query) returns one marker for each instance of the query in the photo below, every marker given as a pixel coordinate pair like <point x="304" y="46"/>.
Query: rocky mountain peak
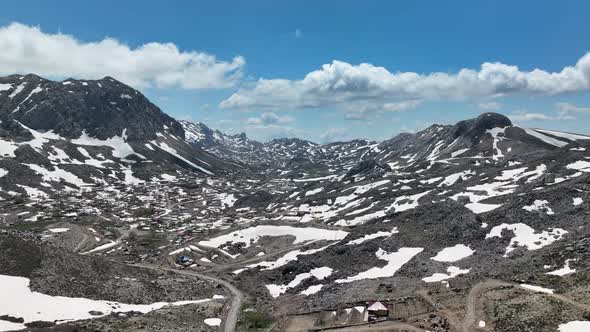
<point x="474" y="128"/>
<point x="101" y="108"/>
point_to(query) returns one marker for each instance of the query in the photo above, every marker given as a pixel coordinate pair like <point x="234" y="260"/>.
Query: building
<point x="377" y="311"/>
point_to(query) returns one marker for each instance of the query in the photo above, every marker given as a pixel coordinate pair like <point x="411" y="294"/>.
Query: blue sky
<point x="237" y="43"/>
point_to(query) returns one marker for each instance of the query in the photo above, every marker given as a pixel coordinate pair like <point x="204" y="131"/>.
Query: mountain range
<point x="471" y="226"/>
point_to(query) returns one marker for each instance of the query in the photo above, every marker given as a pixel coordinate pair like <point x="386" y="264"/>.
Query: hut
<point x="377" y="310"/>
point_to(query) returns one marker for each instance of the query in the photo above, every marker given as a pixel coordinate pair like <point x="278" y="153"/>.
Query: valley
<point x="144" y="223"/>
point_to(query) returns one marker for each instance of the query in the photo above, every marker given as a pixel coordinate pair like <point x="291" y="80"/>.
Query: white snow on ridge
<point x="7" y="148"/>
<point x="525" y="236"/>
<point x="5" y="86"/>
<point x="580" y="165"/>
<point x="412" y="202"/>
<point x="173" y="152"/>
<point x="361" y="219"/>
<point x="58" y="230"/>
<point x="312" y="289"/>
<point x="121" y="148"/>
<point x="537" y="288"/>
<point x="18" y="90"/>
<point x="57" y="175"/>
<point x="364" y="188"/>
<point x="227" y="200"/>
<point x="453" y="254"/>
<point x="453" y="271"/>
<point x="395" y="261"/>
<point x="283" y="260"/>
<point x="491" y="190"/>
<point x="451" y="179"/>
<point x="495" y="132"/>
<point x="373" y="236"/>
<point x="130" y="179"/>
<point x="33" y="192"/>
<point x="318" y="273"/>
<point x="547" y="139"/>
<point x="252" y="234"/>
<point x="519" y="173"/>
<point x="565" y="270"/>
<point x="569" y="136"/>
<point x="314" y="191"/>
<point x="19" y="301"/>
<point x="458" y="152"/>
<point x="539" y="205"/>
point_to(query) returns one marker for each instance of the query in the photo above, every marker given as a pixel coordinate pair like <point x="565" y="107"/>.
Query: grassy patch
<point x="256" y="320"/>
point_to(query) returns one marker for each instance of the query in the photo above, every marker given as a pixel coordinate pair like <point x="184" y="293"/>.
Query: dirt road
<point x="384" y="326"/>
<point x="82" y="242"/>
<point x="237" y="297"/>
<point x="474" y="310"/>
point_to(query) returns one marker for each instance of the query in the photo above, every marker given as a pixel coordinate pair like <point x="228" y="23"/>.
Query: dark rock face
<point x="367" y="168"/>
<point x="102" y="108"/>
<point x="473" y="129"/>
<point x="257" y="199"/>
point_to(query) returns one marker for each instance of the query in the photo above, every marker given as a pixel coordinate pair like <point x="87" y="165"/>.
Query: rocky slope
<point x="454" y="226"/>
<point x="75" y="133"/>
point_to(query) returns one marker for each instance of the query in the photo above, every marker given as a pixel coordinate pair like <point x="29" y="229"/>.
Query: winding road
<point x="80" y="244"/>
<point x="474" y="312"/>
<point x="237" y="297"/>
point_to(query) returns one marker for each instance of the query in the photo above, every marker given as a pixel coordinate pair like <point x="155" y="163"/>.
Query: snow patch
<point x="525" y="236"/>
<point x="395" y="261"/>
<point x="453" y="254"/>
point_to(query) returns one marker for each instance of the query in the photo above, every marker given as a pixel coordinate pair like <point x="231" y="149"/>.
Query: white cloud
<point x="492" y="105"/>
<point x="340" y="83"/>
<point x="333" y="135"/>
<point x="567" y="109"/>
<point x="365" y="111"/>
<point x="523" y="116"/>
<point x="27" y="49"/>
<point x="270" y="118"/>
<point x="563" y="111"/>
<point x="298" y="33"/>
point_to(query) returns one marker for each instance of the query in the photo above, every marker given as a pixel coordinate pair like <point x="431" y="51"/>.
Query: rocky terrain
<point x="145" y="223"/>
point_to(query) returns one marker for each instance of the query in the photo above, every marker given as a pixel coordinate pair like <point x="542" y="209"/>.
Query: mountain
<point x="288" y="157"/>
<point x="80" y="133"/>
<point x="470" y="226"/>
<point x="491" y="135"/>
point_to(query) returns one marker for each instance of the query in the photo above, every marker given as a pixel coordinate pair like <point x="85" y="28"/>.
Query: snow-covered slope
<point x="75" y="134"/>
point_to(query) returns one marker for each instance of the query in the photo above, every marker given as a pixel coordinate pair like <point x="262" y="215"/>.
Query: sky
<point x="319" y="70"/>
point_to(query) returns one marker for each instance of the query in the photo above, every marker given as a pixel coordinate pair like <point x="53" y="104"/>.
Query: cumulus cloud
<point x="562" y="111"/>
<point x="333" y="135"/>
<point x="340" y="83"/>
<point x="568" y="109"/>
<point x="27" y="49"/>
<point x="524" y="116"/>
<point x="490" y="106"/>
<point x="270" y="118"/>
<point x="364" y="111"/>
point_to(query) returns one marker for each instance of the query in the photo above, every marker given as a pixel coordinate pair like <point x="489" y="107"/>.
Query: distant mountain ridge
<point x="489" y="135"/>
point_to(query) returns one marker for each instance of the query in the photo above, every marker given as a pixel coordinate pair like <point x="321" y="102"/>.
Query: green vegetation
<point x="256" y="320"/>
